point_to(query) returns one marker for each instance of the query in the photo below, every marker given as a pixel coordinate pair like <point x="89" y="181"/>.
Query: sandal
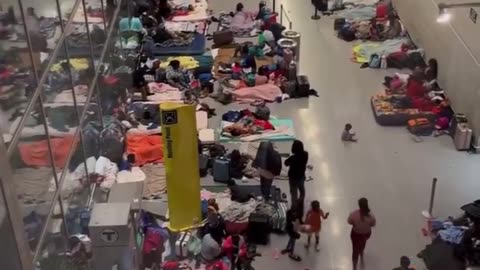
<point x="295" y="257"/>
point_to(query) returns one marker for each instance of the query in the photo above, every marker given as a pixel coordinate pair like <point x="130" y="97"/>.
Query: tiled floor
<point x="386" y="165"/>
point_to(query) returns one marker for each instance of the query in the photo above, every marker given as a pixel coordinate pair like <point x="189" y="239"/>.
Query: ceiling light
<point x="443" y="15"/>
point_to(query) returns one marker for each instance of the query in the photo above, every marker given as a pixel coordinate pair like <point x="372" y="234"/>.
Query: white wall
<point x="459" y="74"/>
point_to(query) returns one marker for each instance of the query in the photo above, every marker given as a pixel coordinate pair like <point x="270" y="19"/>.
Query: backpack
<point x="375" y="61"/>
<point x="420" y="127"/>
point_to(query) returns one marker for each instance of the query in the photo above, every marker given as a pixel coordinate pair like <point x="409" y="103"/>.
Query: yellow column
<point x="179" y="131"/>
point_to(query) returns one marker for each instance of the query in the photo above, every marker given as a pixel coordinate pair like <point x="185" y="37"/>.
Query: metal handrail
<point x="282" y="13"/>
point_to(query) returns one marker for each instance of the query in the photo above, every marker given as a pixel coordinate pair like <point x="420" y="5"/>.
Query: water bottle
<point x="292" y="71"/>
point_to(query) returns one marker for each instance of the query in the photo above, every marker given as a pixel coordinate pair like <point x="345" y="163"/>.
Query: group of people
<point x="361" y="220"/>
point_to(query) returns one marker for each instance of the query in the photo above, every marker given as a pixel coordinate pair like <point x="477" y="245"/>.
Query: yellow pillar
<point x="179" y="131"/>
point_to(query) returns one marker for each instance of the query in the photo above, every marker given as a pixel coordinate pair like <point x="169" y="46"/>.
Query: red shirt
<point x="314" y="219"/>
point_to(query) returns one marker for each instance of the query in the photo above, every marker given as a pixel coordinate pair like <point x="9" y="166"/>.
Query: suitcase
<point x="181" y="245"/>
<point x="463" y="137"/>
<point x="259" y="229"/>
<point x="338" y="23"/>
<point x="289" y="87"/>
<point x="203" y="165"/>
<point x="221" y="170"/>
<point x="303" y="86"/>
<point x="420" y="127"/>
<point x="222" y="38"/>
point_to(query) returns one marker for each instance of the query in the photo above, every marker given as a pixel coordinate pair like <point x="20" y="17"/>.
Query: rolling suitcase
<point x="303" y="86"/>
<point x="221" y="170"/>
<point x="222" y="38"/>
<point x="259" y="228"/>
<point x="181" y="245"/>
<point x="203" y="165"/>
<point x="463" y="137"/>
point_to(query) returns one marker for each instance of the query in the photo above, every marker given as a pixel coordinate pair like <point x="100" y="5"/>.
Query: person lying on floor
<point x="399" y="83"/>
<point x="248" y="125"/>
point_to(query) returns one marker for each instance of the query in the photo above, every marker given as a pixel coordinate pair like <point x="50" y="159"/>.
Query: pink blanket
<point x="268" y="92"/>
<point x="242" y="21"/>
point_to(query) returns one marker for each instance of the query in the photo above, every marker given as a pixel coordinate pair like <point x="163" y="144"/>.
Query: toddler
<point x="314" y="221"/>
<point x="347" y="135"/>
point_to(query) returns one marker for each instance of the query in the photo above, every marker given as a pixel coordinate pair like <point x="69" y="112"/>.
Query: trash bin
<point x="294" y="35"/>
<point x="286" y="43"/>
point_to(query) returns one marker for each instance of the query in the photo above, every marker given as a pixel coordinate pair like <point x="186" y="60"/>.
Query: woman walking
<point x="362" y="221"/>
<point x="268" y="163"/>
<point x="297" y="164"/>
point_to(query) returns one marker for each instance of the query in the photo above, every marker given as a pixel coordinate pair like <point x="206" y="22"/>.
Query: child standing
<point x="291" y="228"/>
<point x="348" y="135"/>
<point x="314" y="220"/>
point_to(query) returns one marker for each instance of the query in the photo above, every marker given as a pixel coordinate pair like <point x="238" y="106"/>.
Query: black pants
<point x="297" y="193"/>
<point x="291" y="244"/>
<point x="266" y="187"/>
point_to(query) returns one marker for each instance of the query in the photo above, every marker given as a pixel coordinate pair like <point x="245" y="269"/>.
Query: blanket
<point x="164" y="93"/>
<point x="364" y="51"/>
<point x="358" y="14"/>
<point x="230" y="210"/>
<point x="225" y="55"/>
<point x="241" y="24"/>
<point x="155" y="181"/>
<point x="198" y="14"/>
<point x="267" y="92"/>
<point x="146" y="148"/>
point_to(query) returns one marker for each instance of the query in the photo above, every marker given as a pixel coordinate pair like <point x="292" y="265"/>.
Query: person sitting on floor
<point x="393" y="30"/>
<point x="175" y="76"/>
<point x="415" y="88"/>
<point x="404" y="264"/>
<point x="215" y="224"/>
<point x="190" y="98"/>
<point x="348" y="135"/>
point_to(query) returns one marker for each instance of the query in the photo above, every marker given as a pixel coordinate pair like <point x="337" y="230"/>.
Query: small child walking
<point x="314" y="221"/>
<point x="348" y="135"/>
<point x="291" y="228"/>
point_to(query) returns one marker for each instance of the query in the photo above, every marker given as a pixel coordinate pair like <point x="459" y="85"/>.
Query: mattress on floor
<point x="279" y="124"/>
<point x="201" y="116"/>
<point x="386" y="115"/>
<point x="197" y="47"/>
<point x="205" y="60"/>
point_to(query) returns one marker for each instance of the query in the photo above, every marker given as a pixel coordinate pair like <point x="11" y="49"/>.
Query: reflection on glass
<point x="33" y="175"/>
<point x="76" y="191"/>
<point x="52" y="254"/>
<point x="9" y="258"/>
